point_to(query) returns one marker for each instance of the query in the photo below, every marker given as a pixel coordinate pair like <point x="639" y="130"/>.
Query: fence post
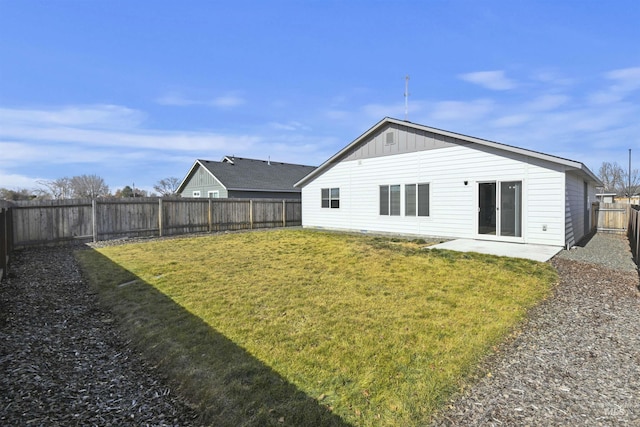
<point x="3" y="243"/>
<point x="210" y="215"/>
<point x="94" y="219"/>
<point x="9" y="216"/>
<point x="284" y="212"/>
<point x="160" y="219"/>
<point x="251" y="214"/>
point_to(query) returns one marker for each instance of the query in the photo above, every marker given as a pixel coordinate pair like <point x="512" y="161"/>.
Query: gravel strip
<point x="576" y="361"/>
<point x="62" y="362"/>
<point x="609" y="250"/>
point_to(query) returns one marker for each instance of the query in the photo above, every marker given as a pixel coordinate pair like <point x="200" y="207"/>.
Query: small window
<point x="390" y="200"/>
<point x="213" y="194"/>
<point x="330" y="198"/>
<point x="196" y="194"/>
<point x="416" y="199"/>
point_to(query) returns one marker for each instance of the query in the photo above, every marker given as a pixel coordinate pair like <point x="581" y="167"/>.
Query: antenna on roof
<point x="406" y="97"/>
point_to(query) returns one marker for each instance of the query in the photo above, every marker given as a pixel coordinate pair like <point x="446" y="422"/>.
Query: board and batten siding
<point x="453" y="205"/>
<point x="202" y="181"/>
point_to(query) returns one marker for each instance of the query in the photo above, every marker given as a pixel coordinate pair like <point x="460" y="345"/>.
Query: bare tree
<point x="616" y="179"/>
<point x="58" y="188"/>
<point x="611" y="175"/>
<point x="89" y="186"/>
<point x="625" y="189"/>
<point x="167" y="186"/>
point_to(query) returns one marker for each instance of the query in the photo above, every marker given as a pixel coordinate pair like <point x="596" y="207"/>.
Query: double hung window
<point x="390" y="200"/>
<point x="330" y="198"/>
<point x="416" y="199"/>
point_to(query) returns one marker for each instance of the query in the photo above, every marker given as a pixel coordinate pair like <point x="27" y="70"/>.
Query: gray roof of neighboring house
<point x="237" y="173"/>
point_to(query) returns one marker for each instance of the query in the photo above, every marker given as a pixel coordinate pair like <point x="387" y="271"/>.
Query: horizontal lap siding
<point x="545" y="204"/>
<point x="453" y="205"/>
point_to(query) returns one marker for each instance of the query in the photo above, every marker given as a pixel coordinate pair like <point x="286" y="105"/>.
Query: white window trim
<point x="196" y="193"/>
<point x="213" y="194"/>
<point x="331" y="199"/>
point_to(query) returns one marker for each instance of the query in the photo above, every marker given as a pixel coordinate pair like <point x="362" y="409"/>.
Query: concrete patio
<point x="515" y="250"/>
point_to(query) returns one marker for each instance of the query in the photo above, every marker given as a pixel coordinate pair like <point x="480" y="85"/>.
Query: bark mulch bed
<point x="61" y="360"/>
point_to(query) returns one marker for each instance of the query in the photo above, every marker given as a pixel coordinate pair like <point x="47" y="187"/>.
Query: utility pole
<point x="629" y="172"/>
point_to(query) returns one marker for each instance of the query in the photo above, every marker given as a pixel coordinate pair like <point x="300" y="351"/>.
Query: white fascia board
<point x="186" y="177"/>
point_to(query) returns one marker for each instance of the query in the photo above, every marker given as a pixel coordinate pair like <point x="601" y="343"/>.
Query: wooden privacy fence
<point x="633" y="232"/>
<point x="55" y="221"/>
<point x="611" y="217"/>
<point x="6" y="240"/>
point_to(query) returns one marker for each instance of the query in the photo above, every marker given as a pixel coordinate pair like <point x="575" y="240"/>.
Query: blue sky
<point x="135" y="91"/>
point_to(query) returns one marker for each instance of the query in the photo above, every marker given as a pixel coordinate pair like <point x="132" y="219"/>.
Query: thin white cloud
<point x="547" y="102"/>
<point x="95" y="116"/>
<point x="461" y="110"/>
<point x="289" y="126"/>
<point x="85" y="126"/>
<point x="174" y="99"/>
<point x="551" y="78"/>
<point x="626" y="79"/>
<point x="494" y="80"/>
<point x="623" y="82"/>
<point x="227" y="101"/>
<point x="178" y="100"/>
<point x="511" y="120"/>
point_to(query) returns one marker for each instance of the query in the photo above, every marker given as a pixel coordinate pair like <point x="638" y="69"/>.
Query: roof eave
<point x="262" y="190"/>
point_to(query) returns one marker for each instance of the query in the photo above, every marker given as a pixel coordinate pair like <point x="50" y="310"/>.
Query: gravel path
<point x="61" y="361"/>
<point x="576" y="362"/>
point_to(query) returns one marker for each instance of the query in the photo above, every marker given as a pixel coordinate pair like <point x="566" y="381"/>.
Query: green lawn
<point x="293" y="327"/>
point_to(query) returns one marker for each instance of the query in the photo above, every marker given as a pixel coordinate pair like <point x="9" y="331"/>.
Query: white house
<point x="405" y="178"/>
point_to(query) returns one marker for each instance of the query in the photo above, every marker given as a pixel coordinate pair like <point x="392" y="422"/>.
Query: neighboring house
<point x="235" y="177"/>
<point x="405" y="178"/>
<point x="606" y="197"/>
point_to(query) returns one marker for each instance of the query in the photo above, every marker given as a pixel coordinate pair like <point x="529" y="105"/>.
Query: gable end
<point x="398" y="139"/>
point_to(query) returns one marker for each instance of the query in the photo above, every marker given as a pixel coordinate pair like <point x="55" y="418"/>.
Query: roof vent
<point x="389" y="139"/>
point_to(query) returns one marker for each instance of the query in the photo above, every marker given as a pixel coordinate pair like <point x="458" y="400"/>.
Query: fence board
<point x="634" y="232"/>
<point x="104" y="219"/>
<point x="612" y="217"/>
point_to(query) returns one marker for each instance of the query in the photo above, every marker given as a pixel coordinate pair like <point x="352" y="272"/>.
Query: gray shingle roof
<point x="237" y="173"/>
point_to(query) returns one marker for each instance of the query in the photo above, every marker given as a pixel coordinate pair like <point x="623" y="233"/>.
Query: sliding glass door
<point x="500" y="208"/>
